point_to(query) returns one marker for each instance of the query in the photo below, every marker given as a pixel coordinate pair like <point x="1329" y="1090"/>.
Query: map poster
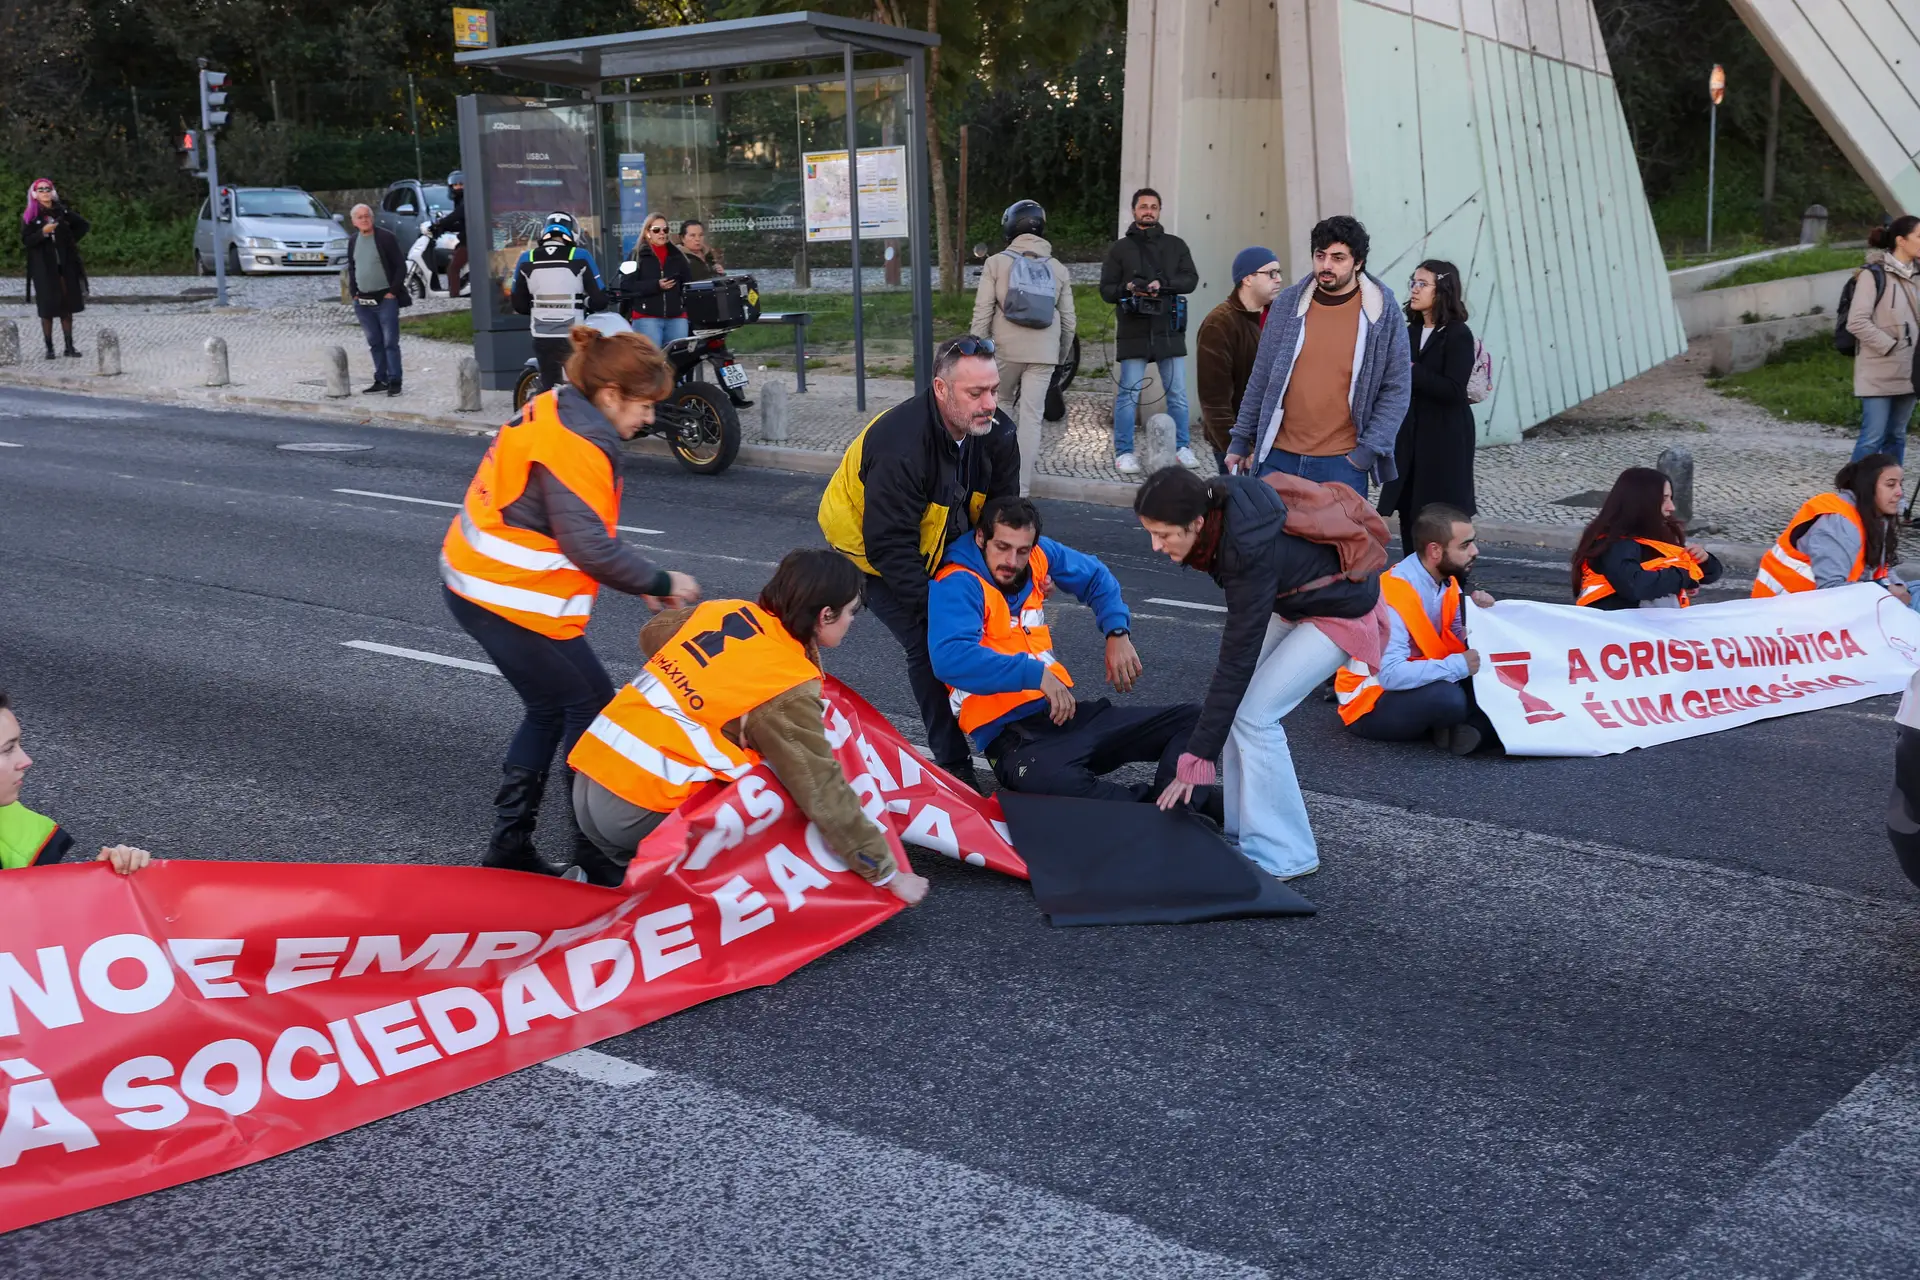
<point x="883" y="194"/>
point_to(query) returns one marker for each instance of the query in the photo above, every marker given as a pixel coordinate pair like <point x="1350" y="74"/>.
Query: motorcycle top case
<point x="723" y="303"/>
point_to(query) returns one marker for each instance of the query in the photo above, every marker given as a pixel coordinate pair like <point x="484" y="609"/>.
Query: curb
<point x="1743" y="557"/>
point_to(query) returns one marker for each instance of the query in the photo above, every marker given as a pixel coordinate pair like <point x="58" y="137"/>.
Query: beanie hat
<point x="1248" y="261"/>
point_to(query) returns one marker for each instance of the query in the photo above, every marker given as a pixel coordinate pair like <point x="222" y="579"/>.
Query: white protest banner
<point x="1563" y="681"/>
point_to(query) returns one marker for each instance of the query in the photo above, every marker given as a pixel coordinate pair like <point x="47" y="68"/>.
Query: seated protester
<point x="754" y="694"/>
<point x="1852" y="535"/>
<point x="1632" y="555"/>
<point x="1424" y="686"/>
<point x="28" y="839"/>
<point x="988" y="637"/>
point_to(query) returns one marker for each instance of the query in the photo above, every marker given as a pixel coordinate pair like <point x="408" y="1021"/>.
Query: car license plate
<point x="733" y="375"/>
<point x="306" y="257"/>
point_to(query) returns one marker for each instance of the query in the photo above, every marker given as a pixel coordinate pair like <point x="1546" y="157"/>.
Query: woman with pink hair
<point x="50" y="233"/>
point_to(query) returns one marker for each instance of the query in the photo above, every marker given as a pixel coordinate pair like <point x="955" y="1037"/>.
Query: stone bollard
<point x="335" y="371"/>
<point x="346" y="294"/>
<point x="1677" y="466"/>
<point x="107" y="344"/>
<point x="466" y="386"/>
<point x="217" y="362"/>
<point x="773" y="411"/>
<point x="1813" y="224"/>
<point x="9" y="342"/>
<point x="1156" y="444"/>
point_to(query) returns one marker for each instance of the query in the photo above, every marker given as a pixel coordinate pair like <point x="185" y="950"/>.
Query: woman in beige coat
<point x="1885" y="322"/>
<point x="1026" y="355"/>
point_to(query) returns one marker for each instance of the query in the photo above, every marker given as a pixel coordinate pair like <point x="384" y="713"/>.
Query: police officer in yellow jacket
<point x="908" y="486"/>
<point x="29" y="839"/>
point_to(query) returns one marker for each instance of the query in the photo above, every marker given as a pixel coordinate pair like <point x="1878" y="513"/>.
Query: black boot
<point x="515" y="810"/>
<point x="51" y="353"/>
<point x="591" y="861"/>
<point x="71" y="349"/>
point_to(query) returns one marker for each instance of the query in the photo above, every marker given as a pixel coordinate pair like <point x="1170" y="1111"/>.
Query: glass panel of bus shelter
<point x="537" y="157"/>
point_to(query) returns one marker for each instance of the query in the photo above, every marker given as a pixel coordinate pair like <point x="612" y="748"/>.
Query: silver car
<point x="271" y="229"/>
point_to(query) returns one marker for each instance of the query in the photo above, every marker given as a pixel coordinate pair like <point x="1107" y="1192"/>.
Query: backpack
<point x="1480" y="381"/>
<point x="1030" y="291"/>
<point x="1843" y="342"/>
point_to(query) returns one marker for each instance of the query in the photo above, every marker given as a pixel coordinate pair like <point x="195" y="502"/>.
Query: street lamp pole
<point x="1716" y="90"/>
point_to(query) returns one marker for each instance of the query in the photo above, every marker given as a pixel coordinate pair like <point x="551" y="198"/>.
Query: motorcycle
<point x="427" y="264"/>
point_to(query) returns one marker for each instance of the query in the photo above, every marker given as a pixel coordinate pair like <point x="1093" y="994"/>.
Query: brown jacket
<point x="1224" y="348"/>
<point x="789" y="730"/>
<point x="1337" y="516"/>
<point x="1887" y="330"/>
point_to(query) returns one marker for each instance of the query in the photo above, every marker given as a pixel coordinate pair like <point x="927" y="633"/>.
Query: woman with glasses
<point x="51" y="233"/>
<point x="652" y="285"/>
<point x="1435" y="450"/>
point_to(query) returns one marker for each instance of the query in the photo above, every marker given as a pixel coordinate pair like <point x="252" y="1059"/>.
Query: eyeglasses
<point x="1415" y="284"/>
<point x="656" y="231"/>
<point x="1274" y="274"/>
<point x="968" y="345"/>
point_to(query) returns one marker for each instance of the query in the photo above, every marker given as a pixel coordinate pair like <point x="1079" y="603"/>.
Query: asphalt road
<point x="1650" y="1015"/>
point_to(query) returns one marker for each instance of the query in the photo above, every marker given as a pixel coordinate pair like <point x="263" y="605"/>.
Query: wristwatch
<point x="1117" y="632"/>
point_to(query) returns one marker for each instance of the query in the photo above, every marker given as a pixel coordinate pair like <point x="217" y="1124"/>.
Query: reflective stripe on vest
<point x="1594" y="586"/>
<point x="662" y="737"/>
<point x="520" y="574"/>
<point x="1785" y="568"/>
<point x="1356" y="686"/>
<point x="1028" y="636"/>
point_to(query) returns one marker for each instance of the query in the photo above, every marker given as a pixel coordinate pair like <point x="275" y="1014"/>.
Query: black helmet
<point x="456" y="179"/>
<point x="561" y="226"/>
<point x="1024" y="218"/>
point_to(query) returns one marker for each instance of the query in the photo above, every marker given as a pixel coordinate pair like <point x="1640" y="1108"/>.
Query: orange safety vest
<point x="1356" y="686"/>
<point x="521" y="575"/>
<point x="1786" y="569"/>
<point x="1025" y="636"/>
<point x="1595" y="587"/>
<point x="661" y="738"/>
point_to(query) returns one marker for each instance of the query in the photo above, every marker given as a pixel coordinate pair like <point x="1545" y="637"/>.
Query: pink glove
<point x="1196" y="771"/>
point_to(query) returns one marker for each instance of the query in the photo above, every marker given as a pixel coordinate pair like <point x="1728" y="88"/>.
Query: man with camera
<point x="1147" y="275"/>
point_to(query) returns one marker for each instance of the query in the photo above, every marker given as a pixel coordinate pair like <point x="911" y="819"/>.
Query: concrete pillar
<point x="773" y="411"/>
<point x="1156" y="444"/>
<point x="334" y="362"/>
<point x="9" y="342"/>
<point x="1677" y="466"/>
<point x="1813" y="224"/>
<point x="216" y="349"/>
<point x="466" y="386"/>
<point x="107" y="343"/>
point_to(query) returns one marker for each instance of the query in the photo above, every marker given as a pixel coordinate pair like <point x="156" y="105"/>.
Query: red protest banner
<point x="200" y="1016"/>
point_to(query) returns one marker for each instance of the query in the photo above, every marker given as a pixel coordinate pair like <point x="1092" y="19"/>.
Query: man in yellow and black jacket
<point x="910" y="484"/>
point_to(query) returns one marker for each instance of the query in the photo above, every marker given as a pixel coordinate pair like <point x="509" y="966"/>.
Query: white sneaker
<point x="1127" y="465"/>
<point x="1187" y="459"/>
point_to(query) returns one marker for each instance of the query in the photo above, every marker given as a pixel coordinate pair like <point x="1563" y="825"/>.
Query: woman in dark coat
<point x="650" y="289"/>
<point x="50" y="233"/>
<point x="1435" y="450"/>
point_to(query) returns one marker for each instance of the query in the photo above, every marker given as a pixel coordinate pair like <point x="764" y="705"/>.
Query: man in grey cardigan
<point x="1333" y="375"/>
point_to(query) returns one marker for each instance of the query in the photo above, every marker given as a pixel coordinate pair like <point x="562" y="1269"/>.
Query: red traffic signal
<point x="190" y="150"/>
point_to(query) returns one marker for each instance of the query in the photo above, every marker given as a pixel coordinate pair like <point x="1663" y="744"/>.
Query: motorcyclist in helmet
<point x="556" y="285"/>
<point x="456" y="222"/>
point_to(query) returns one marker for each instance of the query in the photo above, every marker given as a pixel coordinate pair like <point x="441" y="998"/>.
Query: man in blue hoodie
<point x="990" y="644"/>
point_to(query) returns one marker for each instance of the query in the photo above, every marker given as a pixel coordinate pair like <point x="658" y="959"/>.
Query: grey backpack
<point x="1030" y="291"/>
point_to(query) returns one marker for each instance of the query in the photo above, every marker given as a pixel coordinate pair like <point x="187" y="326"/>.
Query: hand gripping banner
<point x="1563" y="681"/>
<point x="199" y="1016"/>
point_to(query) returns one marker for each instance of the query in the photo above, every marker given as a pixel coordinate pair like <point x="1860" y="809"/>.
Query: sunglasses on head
<point x="969" y="345"/>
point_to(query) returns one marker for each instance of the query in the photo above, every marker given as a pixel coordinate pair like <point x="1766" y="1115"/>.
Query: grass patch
<point x="889" y="314"/>
<point x="1806" y="380"/>
<point x="1785" y="266"/>
<point x="443" y="326"/>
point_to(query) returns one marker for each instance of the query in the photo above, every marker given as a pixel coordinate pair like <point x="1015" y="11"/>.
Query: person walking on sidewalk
<point x="1025" y="306"/>
<point x="1333" y="377"/>
<point x="50" y="232"/>
<point x="376" y="277"/>
<point x="1147" y="275"/>
<point x="1227" y="342"/>
<point x="910" y="484"/>
<point x="1884" y="320"/>
<point x="533" y="544"/>
<point x="1434" y="453"/>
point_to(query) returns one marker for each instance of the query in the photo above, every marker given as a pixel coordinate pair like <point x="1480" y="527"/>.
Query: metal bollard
<point x="216" y="349"/>
<point x="9" y="342"/>
<point x="773" y="412"/>
<point x="1157" y="444"/>
<point x="1677" y="466"/>
<point x="466" y="386"/>
<point x="107" y="344"/>
<point x="339" y="383"/>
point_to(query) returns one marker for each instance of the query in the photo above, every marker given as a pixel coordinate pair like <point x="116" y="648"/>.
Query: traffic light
<point x="192" y="155"/>
<point x="213" y="99"/>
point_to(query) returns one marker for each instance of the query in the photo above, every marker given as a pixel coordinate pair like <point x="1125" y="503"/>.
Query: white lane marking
<point x="601" y="1068"/>
<point x="8" y="444"/>
<point x="1187" y="604"/>
<point x="421" y="655"/>
<point x="436" y="502"/>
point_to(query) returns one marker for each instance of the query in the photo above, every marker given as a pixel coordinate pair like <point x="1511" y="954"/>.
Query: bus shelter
<point x="791" y="162"/>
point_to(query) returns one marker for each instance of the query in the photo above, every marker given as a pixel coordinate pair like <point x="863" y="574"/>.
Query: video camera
<point x="1173" y="305"/>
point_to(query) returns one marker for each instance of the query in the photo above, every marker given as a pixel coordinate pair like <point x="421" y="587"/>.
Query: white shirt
<point x="1400" y="665"/>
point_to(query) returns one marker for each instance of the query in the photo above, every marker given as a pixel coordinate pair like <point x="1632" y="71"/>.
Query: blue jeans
<point x="1325" y="470"/>
<point x="381" y="324"/>
<point x="1264" y="808"/>
<point x="660" y="331"/>
<point x="1883" y="426"/>
<point x="1126" y="405"/>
